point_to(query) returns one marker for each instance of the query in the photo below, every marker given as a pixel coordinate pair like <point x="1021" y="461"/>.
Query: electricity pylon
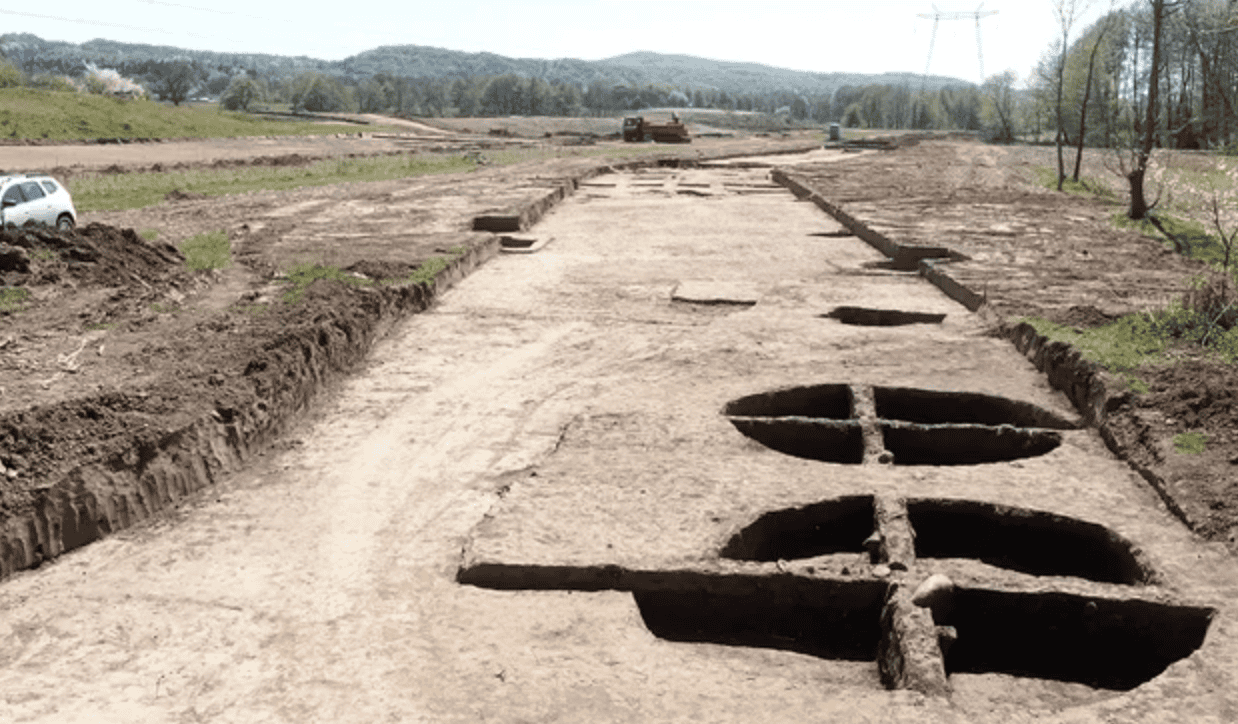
<point x="938" y="16"/>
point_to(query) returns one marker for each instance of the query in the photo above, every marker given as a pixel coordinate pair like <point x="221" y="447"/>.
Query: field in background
<point x="105" y="191"/>
<point x="699" y="121"/>
<point x="29" y="113"/>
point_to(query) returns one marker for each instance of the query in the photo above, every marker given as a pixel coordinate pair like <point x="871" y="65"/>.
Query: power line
<point x="937" y="16"/>
<point x="105" y="24"/>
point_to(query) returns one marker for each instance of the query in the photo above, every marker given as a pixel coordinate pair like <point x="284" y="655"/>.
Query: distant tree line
<point x="240" y="87"/>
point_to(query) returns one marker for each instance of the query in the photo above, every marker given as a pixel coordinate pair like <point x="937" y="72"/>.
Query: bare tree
<point x="1000" y="90"/>
<point x="1066" y="12"/>
<point x="1087" y="93"/>
<point x="1139" y="204"/>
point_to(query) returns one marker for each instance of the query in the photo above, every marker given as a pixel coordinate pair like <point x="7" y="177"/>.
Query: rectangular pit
<point x="839" y="621"/>
<point x="1106" y="644"/>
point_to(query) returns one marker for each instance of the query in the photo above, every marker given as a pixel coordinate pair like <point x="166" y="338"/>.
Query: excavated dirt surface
<point x="1034" y="252"/>
<point x="578" y="489"/>
<point x="118" y="347"/>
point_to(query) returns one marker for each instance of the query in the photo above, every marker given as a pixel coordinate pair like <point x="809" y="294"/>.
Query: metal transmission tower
<point x="938" y="16"/>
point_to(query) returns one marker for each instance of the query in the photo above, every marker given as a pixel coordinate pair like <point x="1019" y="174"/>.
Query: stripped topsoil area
<point x="129" y="382"/>
<point x="1033" y="252"/>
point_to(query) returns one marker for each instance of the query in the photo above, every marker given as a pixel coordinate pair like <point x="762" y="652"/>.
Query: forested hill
<point x="637" y="69"/>
<point x="35" y="55"/>
<point x="735" y="77"/>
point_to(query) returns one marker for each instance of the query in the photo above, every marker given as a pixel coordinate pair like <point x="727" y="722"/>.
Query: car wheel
<point x="64" y="223"/>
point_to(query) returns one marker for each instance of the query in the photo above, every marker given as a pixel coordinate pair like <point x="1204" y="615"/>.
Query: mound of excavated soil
<point x="94" y="254"/>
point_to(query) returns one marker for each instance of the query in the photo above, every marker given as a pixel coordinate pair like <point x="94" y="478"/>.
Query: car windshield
<point x="32" y="190"/>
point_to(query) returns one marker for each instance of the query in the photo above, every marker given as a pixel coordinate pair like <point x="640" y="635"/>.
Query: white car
<point x="38" y="198"/>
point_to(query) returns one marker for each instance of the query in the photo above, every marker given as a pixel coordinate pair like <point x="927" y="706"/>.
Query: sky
<point x="822" y="36"/>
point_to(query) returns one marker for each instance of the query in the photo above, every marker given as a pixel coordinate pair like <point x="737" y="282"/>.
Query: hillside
<point x="28" y="113"/>
<point x="35" y="55"/>
<point x="736" y="77"/>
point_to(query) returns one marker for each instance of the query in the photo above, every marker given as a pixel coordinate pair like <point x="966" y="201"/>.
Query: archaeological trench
<point x="807" y="442"/>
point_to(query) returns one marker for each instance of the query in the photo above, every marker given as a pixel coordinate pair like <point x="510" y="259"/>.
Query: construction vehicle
<point x="637" y="129"/>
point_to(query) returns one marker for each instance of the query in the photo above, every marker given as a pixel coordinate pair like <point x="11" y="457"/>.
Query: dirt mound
<point x="94" y="254"/>
<point x="1194" y="393"/>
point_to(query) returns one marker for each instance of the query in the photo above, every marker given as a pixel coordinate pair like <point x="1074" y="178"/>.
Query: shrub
<point x="241" y="93"/>
<point x="51" y="82"/>
<point x="317" y="93"/>
<point x="10" y="76"/>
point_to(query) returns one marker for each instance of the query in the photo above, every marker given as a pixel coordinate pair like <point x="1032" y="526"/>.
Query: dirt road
<point x="558" y="417"/>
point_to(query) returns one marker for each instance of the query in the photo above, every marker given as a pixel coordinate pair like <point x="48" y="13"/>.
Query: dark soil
<point x="163" y="370"/>
<point x="1193" y="396"/>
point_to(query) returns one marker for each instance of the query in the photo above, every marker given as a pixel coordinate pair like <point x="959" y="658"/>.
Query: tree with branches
<point x="175" y="81"/>
<point x="1066" y="12"/>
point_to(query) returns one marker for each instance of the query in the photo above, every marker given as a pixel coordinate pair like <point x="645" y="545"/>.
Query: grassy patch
<point x="1195" y="238"/>
<point x="1085" y="186"/>
<point x="149" y="234"/>
<point x="211" y="250"/>
<point x="43" y="254"/>
<point x="63" y="115"/>
<point x="1121" y="346"/>
<point x="1127" y="343"/>
<point x="135" y="190"/>
<point x="303" y="275"/>
<point x="13" y="299"/>
<point x="159" y="308"/>
<point x="1190" y="443"/>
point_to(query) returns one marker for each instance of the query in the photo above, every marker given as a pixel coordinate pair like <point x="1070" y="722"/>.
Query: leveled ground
<point x="111" y="346"/>
<point x="113" y="336"/>
<point x="556" y="495"/>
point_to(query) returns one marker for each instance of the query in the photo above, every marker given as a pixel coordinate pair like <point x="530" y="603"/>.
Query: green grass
<point x="305" y="274"/>
<point x="211" y="250"/>
<point x="13" y="299"/>
<point x="1085" y="186"/>
<point x="149" y="234"/>
<point x="1120" y="346"/>
<point x="1190" y="443"/>
<point x="63" y="115"/>
<point x="1194" y="236"/>
<point x="113" y="192"/>
<point x="1129" y="342"/>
